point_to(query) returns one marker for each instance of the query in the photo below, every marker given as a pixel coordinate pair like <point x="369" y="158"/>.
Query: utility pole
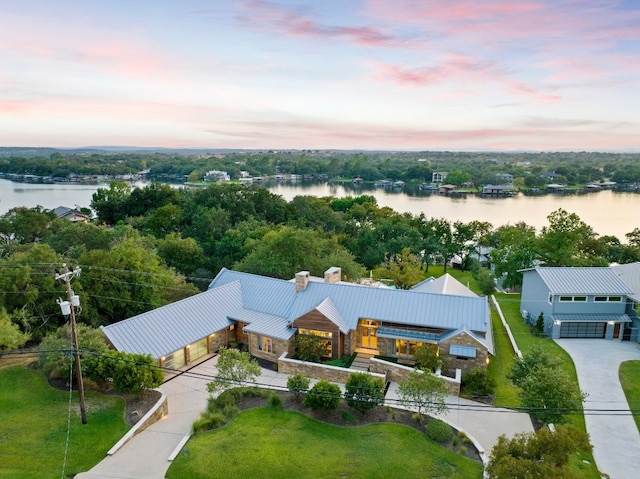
<point x="68" y="308"/>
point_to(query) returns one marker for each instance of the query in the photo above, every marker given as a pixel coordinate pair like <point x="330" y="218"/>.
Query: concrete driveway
<point x="614" y="435"/>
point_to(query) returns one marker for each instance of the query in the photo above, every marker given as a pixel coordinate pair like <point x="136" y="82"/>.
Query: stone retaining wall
<point x="325" y="372"/>
<point x="398" y="372"/>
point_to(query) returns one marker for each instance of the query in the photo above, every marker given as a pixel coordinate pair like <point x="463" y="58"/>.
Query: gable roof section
<point x="445" y="284"/>
<point x="166" y="329"/>
<point x="582" y="280"/>
<point x="329" y="310"/>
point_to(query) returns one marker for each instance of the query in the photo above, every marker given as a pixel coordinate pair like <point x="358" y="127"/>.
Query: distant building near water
<point x="217" y="176"/>
<point x="438" y="176"/>
<point x="71" y="214"/>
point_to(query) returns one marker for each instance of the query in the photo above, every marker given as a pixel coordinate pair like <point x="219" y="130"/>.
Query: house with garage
<point x="266" y="314"/>
<point x="579" y="302"/>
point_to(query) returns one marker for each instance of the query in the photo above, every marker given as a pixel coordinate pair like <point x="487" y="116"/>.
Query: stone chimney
<point x="302" y="280"/>
<point x="333" y="275"/>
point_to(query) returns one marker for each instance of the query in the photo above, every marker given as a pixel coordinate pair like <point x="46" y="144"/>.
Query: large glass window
<point x="265" y="344"/>
<point x="406" y="348"/>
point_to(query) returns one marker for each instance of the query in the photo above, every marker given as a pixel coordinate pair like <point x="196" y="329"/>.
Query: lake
<point x="607" y="212"/>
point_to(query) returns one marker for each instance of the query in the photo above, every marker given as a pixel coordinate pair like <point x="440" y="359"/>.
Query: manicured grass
<point x="510" y="305"/>
<point x="505" y="393"/>
<point x="266" y="442"/>
<point x="33" y="427"/>
<point x="630" y="379"/>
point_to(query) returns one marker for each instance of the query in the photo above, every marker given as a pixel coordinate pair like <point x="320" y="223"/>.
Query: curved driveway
<point x="614" y="436"/>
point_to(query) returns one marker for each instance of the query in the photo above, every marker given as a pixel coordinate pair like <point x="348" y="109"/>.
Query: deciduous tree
<point x="423" y="390"/>
<point x="235" y="368"/>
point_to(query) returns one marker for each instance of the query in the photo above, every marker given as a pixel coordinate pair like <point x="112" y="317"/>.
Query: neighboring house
<point x="217" y="176"/>
<point x="479" y="253"/>
<point x="630" y="274"/>
<point x="586" y="302"/>
<point x="498" y="190"/>
<point x="438" y="176"/>
<point x="71" y="214"/>
<point x="266" y="314"/>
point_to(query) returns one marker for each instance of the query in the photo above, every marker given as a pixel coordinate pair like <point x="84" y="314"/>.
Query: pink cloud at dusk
<point x="537" y="74"/>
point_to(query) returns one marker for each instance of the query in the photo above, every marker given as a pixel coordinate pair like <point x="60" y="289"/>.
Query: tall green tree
<point x="10" y="335"/>
<point x="404" y="269"/>
<point x="283" y="252"/>
<point x="125" y="281"/>
<point x="563" y="242"/>
<point x="111" y="204"/>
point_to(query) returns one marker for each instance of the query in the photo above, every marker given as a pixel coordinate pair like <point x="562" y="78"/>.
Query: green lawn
<point x="266" y="442"/>
<point x="33" y="427"/>
<point x="630" y="379"/>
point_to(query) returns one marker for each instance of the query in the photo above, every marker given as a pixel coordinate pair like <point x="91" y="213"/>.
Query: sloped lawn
<point x="267" y="442"/>
<point x="630" y="379"/>
<point x="33" y="427"/>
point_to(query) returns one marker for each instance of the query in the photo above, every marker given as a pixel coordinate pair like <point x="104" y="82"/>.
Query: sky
<point x="541" y="75"/>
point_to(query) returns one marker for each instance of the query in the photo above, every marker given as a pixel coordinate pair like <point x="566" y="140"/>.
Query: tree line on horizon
<point x="479" y="168"/>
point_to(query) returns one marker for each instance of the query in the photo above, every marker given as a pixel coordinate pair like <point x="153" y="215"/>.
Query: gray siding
<point x="534" y="299"/>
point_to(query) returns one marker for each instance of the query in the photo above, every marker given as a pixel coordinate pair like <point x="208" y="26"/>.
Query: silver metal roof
<point x="264" y="324"/>
<point x="166" y="329"/>
<point x="583" y="280"/>
<point x="352" y="302"/>
<point x="328" y="309"/>
<point x="445" y="284"/>
<point x="630" y="274"/>
<point x="592" y="318"/>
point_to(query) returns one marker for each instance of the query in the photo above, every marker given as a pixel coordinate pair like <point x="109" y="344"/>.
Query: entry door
<point x="369" y="338"/>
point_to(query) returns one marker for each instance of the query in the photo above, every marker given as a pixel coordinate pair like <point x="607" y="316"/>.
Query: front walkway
<point x="612" y="430"/>
<point x="146" y="456"/>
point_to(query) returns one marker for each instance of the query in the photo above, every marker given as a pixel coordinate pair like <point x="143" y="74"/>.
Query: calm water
<point x="609" y="213"/>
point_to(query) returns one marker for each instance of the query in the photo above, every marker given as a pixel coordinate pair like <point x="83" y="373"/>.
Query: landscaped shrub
<point x="364" y="391"/>
<point x="209" y="421"/>
<point x="348" y="417"/>
<point x="309" y="347"/>
<point x="324" y="396"/>
<point x="274" y="401"/>
<point x="438" y="430"/>
<point x="477" y="383"/>
<point x="298" y="385"/>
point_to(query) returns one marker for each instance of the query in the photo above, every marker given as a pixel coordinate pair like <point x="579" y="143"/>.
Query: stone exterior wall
<point x="468" y="364"/>
<point x="333" y="374"/>
<point x="218" y="340"/>
<point x="279" y="346"/>
<point x="398" y="372"/>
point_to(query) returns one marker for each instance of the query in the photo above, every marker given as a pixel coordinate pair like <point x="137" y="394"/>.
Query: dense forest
<point x="157" y="244"/>
<point x="479" y="168"/>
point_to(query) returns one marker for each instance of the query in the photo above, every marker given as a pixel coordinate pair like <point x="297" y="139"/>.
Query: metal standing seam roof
<point x="166" y="329"/>
<point x="630" y="274"/>
<point x="445" y="284"/>
<point x="264" y="324"/>
<point x="329" y="310"/>
<point x="279" y="298"/>
<point x="582" y="280"/>
<point x="592" y="318"/>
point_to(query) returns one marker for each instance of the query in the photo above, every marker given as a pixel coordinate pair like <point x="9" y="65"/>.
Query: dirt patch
<point x="345" y="416"/>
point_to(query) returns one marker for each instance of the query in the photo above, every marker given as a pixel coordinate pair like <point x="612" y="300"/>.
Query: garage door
<point x="582" y="330"/>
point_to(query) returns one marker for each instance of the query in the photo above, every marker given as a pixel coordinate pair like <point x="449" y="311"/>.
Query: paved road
<point x="615" y="438"/>
<point x="146" y="456"/>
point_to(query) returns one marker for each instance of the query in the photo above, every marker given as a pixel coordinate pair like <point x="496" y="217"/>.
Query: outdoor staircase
<point x="361" y="362"/>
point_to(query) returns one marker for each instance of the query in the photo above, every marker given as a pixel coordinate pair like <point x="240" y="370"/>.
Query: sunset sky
<point x="347" y="74"/>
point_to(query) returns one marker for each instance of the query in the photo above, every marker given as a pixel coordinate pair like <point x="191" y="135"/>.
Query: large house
<point x="266" y="314"/>
<point x="579" y="302"/>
